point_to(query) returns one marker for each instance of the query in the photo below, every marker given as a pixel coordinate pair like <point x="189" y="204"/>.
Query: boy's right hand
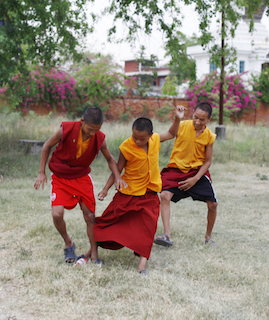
<point x="102" y="195"/>
<point x="41" y="179"/>
<point x="120" y="184"/>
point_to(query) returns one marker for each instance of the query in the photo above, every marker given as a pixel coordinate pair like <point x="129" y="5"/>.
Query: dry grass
<point x="187" y="281"/>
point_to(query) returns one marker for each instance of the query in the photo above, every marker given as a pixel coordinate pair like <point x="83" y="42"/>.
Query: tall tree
<point x="181" y="65"/>
<point x="34" y="31"/>
<point x="165" y="15"/>
<point x="145" y="14"/>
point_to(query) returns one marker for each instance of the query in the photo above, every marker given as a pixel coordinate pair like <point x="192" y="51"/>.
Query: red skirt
<point x="129" y="221"/>
<point x="172" y="176"/>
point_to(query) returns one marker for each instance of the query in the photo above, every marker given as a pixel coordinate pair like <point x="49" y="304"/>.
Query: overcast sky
<point x="97" y="42"/>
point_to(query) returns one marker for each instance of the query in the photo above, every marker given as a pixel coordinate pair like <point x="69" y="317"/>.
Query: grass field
<point x="187" y="281"/>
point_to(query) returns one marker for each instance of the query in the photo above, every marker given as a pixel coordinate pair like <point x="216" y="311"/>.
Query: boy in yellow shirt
<point x="131" y="218"/>
<point x="187" y="173"/>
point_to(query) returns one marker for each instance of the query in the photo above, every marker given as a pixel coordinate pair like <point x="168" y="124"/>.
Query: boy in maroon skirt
<point x="187" y="173"/>
<point x="131" y="218"/>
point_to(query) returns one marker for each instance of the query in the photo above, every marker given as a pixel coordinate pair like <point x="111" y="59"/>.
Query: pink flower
<point x="98" y="81"/>
<point x="246" y="99"/>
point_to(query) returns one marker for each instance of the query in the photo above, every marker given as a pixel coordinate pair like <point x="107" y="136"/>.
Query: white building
<point x="252" y="49"/>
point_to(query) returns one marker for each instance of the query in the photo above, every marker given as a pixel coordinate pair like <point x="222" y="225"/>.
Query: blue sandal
<point x="70" y="255"/>
<point x="163" y="241"/>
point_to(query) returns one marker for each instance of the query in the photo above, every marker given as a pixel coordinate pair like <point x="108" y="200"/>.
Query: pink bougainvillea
<point x="94" y="79"/>
<point x="237" y="95"/>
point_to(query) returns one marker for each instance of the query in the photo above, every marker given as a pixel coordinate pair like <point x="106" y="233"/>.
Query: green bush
<point x="263" y="86"/>
<point x="237" y="96"/>
<point x="95" y="78"/>
<point x="170" y="85"/>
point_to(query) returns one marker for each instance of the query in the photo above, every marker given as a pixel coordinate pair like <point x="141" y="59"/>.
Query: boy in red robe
<point x="131" y="218"/>
<point x="78" y="143"/>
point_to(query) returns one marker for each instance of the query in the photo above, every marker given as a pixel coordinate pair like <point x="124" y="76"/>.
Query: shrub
<point x="98" y="79"/>
<point x="237" y="95"/>
<point x="170" y="85"/>
<point x="263" y="85"/>
<point x="164" y="112"/>
<point x="94" y="79"/>
<point x="51" y="87"/>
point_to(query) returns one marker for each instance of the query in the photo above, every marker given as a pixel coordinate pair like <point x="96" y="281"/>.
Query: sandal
<point x="98" y="263"/>
<point x="210" y="242"/>
<point x="70" y="255"/>
<point x="163" y="241"/>
<point x="144" y="272"/>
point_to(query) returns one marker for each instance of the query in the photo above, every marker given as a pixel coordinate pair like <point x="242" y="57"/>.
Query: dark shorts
<point x="203" y="191"/>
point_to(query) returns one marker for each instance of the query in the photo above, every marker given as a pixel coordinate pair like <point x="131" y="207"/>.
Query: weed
<point x="262" y="177"/>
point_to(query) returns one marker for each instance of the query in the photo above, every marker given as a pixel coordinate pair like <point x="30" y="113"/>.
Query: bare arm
<point x="173" y="130"/>
<point x="53" y="140"/>
<point x="117" y="180"/>
<point x="110" y="181"/>
<point x="188" y="183"/>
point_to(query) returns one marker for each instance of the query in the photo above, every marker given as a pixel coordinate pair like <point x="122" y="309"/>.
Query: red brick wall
<point x="131" y="107"/>
<point x="139" y="107"/>
<point x="254" y="116"/>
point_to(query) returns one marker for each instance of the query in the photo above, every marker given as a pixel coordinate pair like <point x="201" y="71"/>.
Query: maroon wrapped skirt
<point x="129" y="221"/>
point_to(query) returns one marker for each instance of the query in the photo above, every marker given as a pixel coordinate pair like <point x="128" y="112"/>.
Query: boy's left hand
<point x="187" y="184"/>
<point x="120" y="184"/>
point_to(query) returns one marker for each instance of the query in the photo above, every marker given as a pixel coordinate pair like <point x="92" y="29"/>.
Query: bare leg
<point x="89" y="218"/>
<point x="166" y="197"/>
<point x="211" y="218"/>
<point x="142" y="264"/>
<point x="58" y="220"/>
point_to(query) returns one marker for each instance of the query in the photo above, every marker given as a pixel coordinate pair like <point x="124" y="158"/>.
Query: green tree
<point x="165" y="15"/>
<point x="181" y="65"/>
<point x="35" y="31"/>
<point x="263" y="86"/>
<point x="144" y="15"/>
<point x="170" y="85"/>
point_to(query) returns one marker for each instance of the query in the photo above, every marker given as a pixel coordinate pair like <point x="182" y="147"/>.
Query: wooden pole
<point x="222" y="69"/>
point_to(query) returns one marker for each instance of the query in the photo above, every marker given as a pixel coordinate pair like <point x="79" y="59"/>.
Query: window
<point x="212" y="67"/>
<point x="241" y="66"/>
